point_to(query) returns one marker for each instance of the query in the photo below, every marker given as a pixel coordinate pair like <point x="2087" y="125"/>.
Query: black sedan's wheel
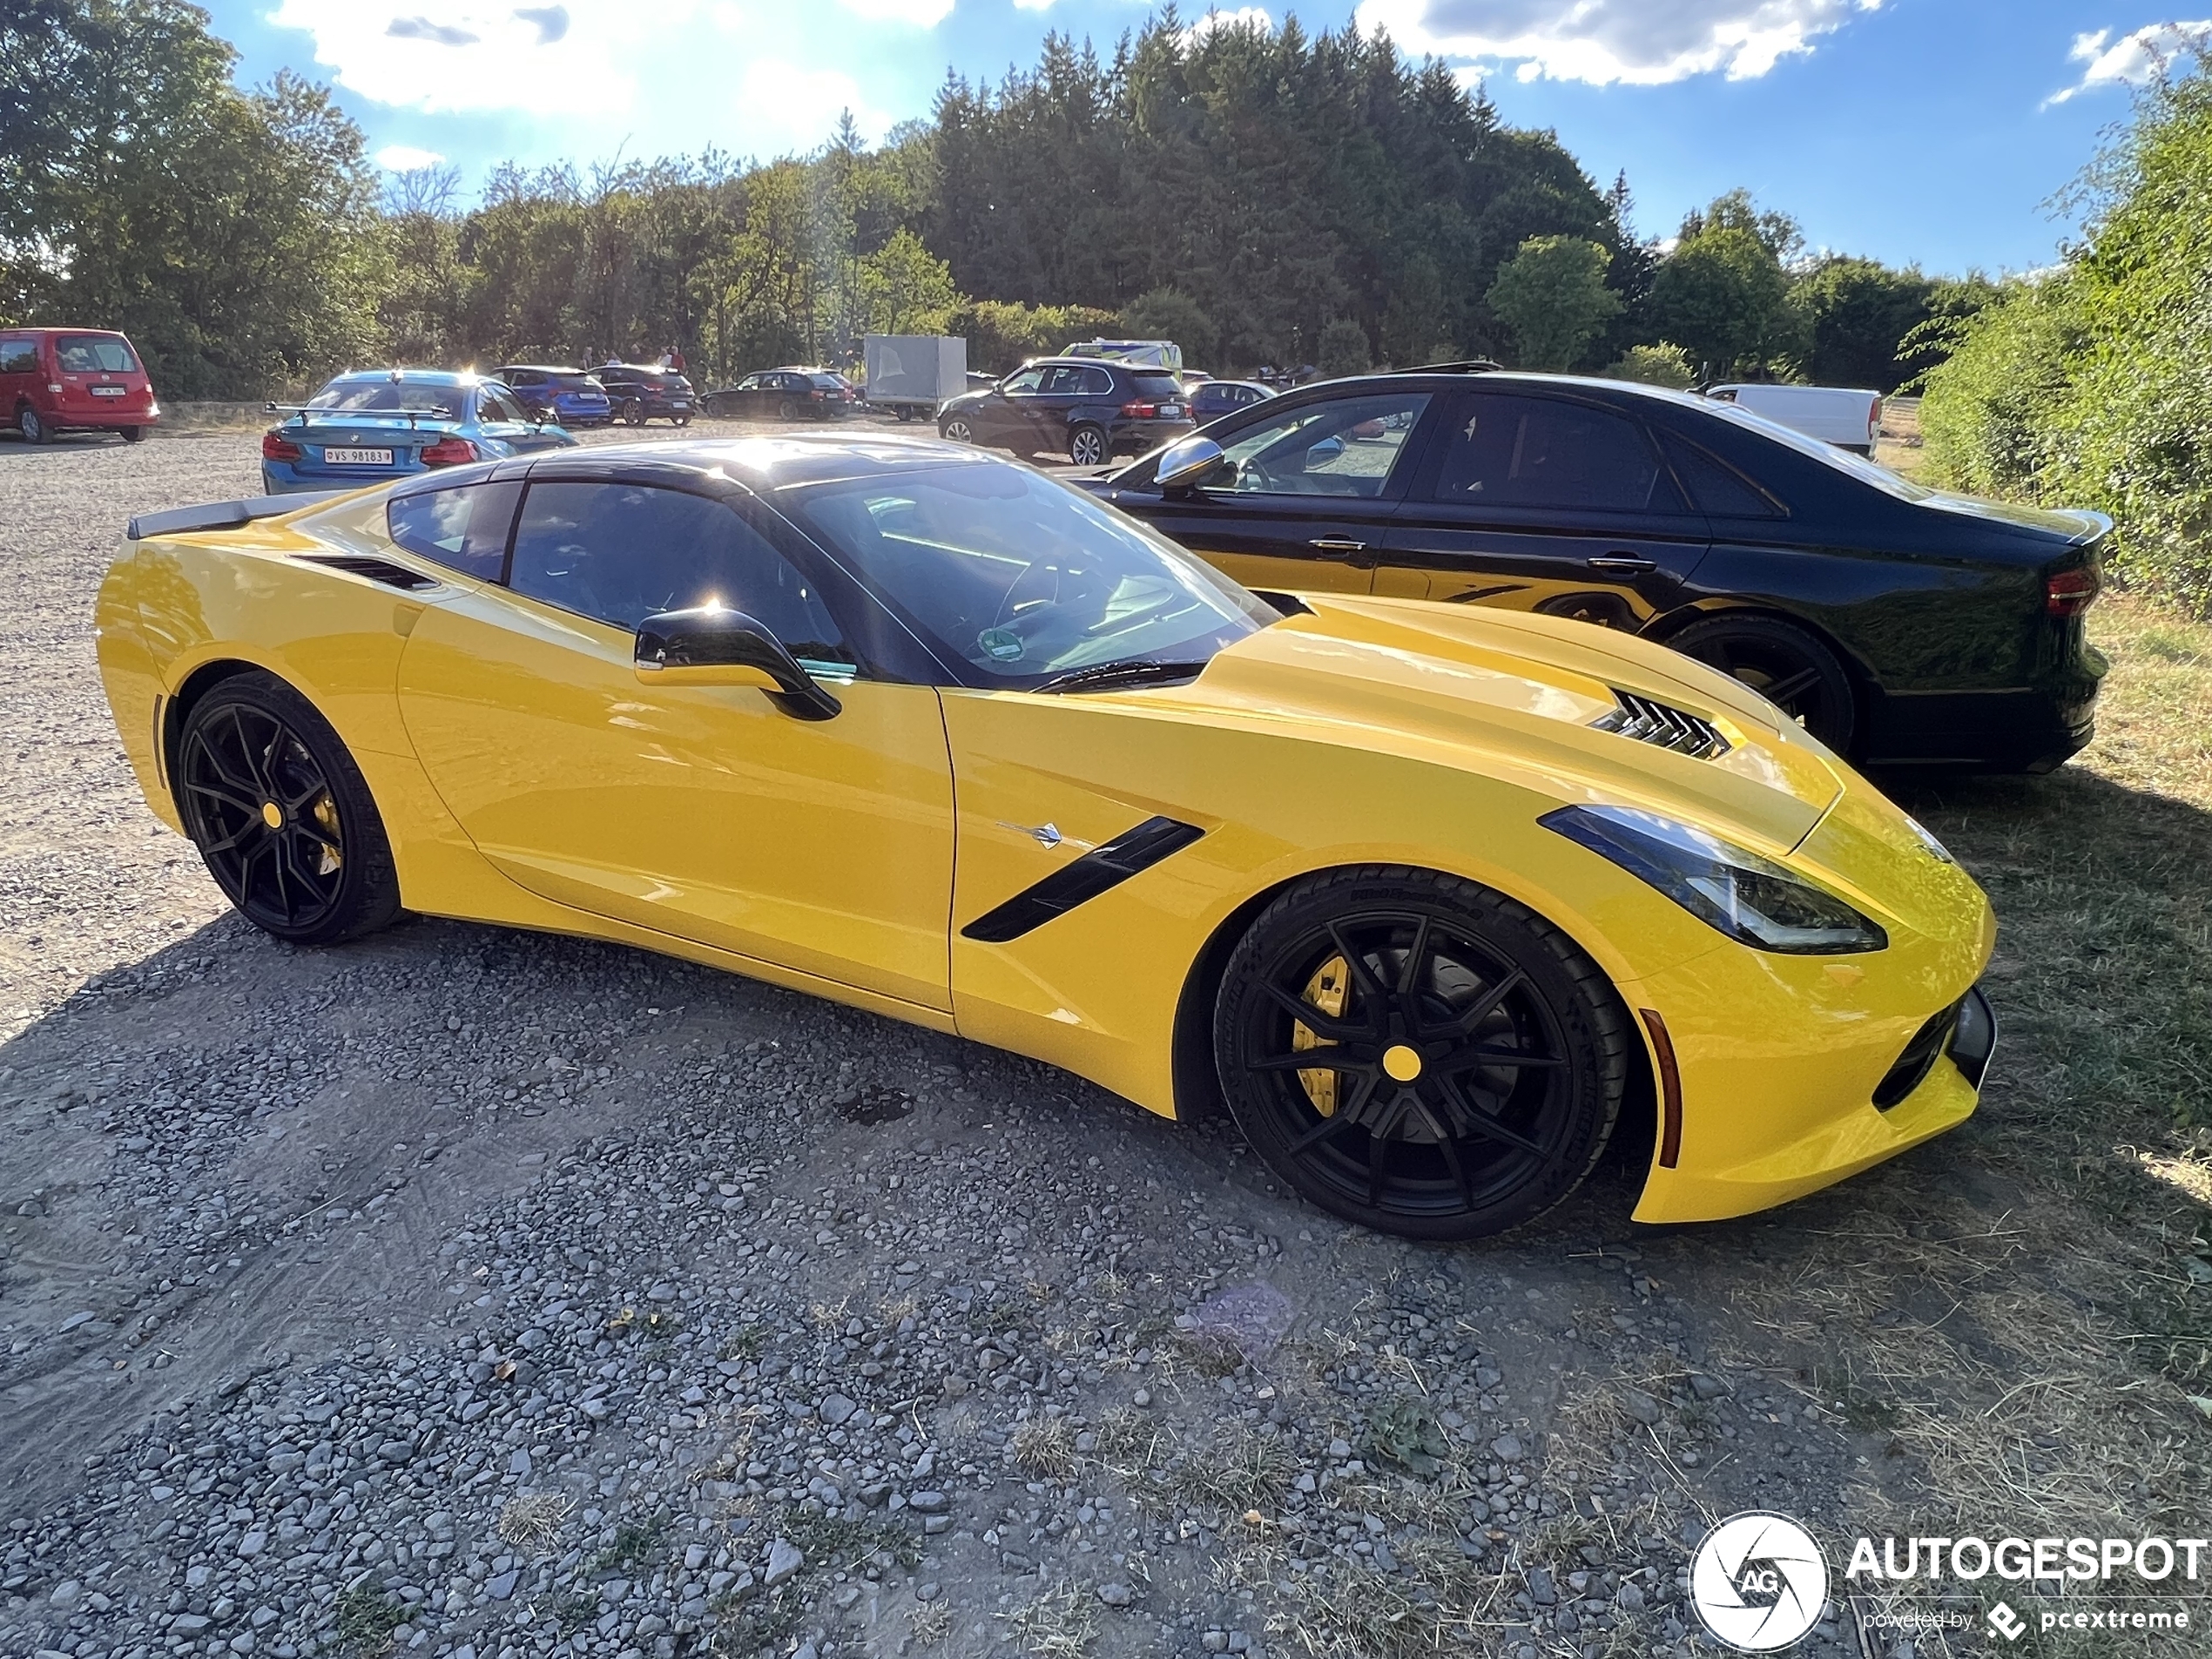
<point x="1785" y="665"/>
<point x="957" y="430"/>
<point x="785" y="409"/>
<point x="1418" y="1053"/>
<point x="1087" y="447"/>
<point x="282" y="816"/>
<point x="633" y="413"/>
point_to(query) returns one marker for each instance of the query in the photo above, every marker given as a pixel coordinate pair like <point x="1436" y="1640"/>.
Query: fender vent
<point x="1663" y="727"/>
<point x="391" y="575"/>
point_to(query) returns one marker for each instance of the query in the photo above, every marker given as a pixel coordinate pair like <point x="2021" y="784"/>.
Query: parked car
<point x="1138" y="354"/>
<point x="367" y="429"/>
<point x="1087" y="409"/>
<point x="1899" y="625"/>
<point x="793" y="393"/>
<point x="1211" y="400"/>
<point x="642" y="392"/>
<point x="566" y="396"/>
<point x="1850" y="420"/>
<point x="74" y="379"/>
<point x="1435" y="898"/>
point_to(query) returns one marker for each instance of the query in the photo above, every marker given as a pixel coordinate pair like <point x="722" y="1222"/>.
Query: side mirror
<point x="1323" y="453"/>
<point x="708" y="645"/>
<point x="1185" y="462"/>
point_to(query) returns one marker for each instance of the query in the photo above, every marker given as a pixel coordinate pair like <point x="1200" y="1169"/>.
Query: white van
<point x="1850" y="419"/>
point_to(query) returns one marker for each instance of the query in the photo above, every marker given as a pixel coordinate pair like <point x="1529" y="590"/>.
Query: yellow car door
<point x="709" y="812"/>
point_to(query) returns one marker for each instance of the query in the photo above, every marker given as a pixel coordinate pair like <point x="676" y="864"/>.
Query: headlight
<point x="1753" y="901"/>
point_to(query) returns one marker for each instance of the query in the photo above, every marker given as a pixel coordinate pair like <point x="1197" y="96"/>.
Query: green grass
<point x="367" y="1617"/>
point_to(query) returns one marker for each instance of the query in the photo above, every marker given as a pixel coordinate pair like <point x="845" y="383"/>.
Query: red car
<point x="73" y="380"/>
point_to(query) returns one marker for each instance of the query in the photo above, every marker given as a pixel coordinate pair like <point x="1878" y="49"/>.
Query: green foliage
<point x="1724" y="297"/>
<point x="233" y="234"/>
<point x="1169" y="313"/>
<point x="1552" y="295"/>
<point x="1658" y="365"/>
<point x="1404" y="1434"/>
<point x="1343" y="349"/>
<point x="1002" y="335"/>
<point x="2092" y="386"/>
<point x="1858" y="312"/>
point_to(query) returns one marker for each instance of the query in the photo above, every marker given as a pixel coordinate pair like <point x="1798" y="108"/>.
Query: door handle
<point x="1622" y="565"/>
<point x="1336" y="544"/>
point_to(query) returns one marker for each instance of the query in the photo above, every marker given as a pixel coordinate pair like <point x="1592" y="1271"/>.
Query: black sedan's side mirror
<point x="709" y="645"/>
<point x="1186" y="461"/>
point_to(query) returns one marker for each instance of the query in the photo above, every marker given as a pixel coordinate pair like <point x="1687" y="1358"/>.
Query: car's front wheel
<point x="1785" y="665"/>
<point x="281" y="814"/>
<point x="1419" y="1053"/>
<point x="957" y="430"/>
<point x="1087" y="446"/>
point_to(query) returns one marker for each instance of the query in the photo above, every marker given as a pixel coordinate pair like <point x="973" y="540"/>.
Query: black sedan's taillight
<point x="2068" y="593"/>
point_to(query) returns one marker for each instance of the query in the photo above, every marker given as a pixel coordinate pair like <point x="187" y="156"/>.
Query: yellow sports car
<point x="1431" y="897"/>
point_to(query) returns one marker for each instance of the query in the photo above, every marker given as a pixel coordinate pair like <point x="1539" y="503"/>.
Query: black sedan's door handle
<point x="1622" y="565"/>
<point x="1337" y="546"/>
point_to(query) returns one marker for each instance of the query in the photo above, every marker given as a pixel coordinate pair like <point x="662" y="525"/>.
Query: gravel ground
<point x="473" y="1293"/>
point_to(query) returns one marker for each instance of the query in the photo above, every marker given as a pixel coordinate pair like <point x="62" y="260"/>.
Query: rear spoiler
<point x="223" y="515"/>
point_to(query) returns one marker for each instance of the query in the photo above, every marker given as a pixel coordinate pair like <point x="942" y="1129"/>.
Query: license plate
<point x="107" y="391"/>
<point x="358" y="457"/>
<point x="680" y="403"/>
<point x="1170" y="411"/>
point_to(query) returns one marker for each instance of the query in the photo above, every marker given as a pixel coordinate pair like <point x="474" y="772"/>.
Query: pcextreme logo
<point x="1758" y="1581"/>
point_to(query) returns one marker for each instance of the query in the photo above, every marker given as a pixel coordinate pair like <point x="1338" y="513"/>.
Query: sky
<point x="1928" y="132"/>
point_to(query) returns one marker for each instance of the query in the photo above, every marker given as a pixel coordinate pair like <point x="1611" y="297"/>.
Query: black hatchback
<point x="1899" y="625"/>
<point x="641" y="391"/>
<point x="1087" y="408"/>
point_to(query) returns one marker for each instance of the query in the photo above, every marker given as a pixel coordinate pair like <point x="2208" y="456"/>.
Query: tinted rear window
<point x="1159" y="386"/>
<point x="1716" y="487"/>
<point x="577" y="383"/>
<point x="94" y="354"/>
<point x="463" y="528"/>
<point x="386" y="396"/>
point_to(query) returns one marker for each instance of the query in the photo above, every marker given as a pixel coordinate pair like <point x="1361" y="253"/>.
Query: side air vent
<point x="1665" y="728"/>
<point x="391" y="575"/>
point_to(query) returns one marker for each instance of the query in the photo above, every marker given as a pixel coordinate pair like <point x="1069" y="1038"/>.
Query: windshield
<point x="1022" y="578"/>
<point x="93" y="354"/>
<point x="386" y="396"/>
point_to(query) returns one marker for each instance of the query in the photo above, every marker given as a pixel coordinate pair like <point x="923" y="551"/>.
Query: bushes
<point x="2093" y="386"/>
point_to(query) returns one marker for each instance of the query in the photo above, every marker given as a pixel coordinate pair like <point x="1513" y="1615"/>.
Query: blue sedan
<point x="371" y="427"/>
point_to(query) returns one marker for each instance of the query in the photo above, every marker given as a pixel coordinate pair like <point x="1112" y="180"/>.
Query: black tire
<point x="34" y="430"/>
<point x="1785" y="663"/>
<point x="906" y="413"/>
<point x="132" y="434"/>
<point x="956" y="430"/>
<point x="1087" y="446"/>
<point x="281" y="815"/>
<point x="1518" y="1052"/>
<point x="633" y="413"/>
<point x="785" y="409"/>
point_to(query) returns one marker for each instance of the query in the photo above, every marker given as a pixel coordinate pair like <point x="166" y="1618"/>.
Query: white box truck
<point x="912" y="374"/>
<point x="1847" y="418"/>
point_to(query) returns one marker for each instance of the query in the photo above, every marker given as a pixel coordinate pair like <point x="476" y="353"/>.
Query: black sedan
<point x="1085" y="408"/>
<point x="1900" y="625"/>
<point x="643" y="392"/>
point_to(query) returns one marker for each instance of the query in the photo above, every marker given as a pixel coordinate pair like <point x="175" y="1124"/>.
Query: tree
<point x="1552" y="295"/>
<point x="1342" y="348"/>
<point x="1858" y="312"/>
<point x="1723" y="295"/>
<point x="1659" y="365"/>
<point x="1169" y="313"/>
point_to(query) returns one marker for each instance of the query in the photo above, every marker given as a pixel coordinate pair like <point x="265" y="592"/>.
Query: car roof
<point x="769" y="463"/>
<point x="436" y="376"/>
<point x="542" y="368"/>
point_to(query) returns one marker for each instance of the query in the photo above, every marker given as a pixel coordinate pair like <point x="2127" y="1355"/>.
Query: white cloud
<point x="921" y="14"/>
<point x="2133" y="59"/>
<point x="805" y="103"/>
<point x="1642" y="42"/>
<point x="405" y="157"/>
<point x="1033" y="5"/>
<point x="1243" y="16"/>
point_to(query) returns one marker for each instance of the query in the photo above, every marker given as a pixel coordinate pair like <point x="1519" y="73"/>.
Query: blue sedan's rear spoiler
<point x="223" y="515"/>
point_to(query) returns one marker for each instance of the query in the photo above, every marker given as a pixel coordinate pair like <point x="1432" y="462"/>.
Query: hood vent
<point x="391" y="575"/>
<point x="1663" y="727"/>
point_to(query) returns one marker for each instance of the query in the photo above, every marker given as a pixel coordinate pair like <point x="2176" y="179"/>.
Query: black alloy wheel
<point x="1418" y="1053"/>
<point x="1087" y="447"/>
<point x="1783" y="664"/>
<point x="282" y="816"/>
<point x="633" y="413"/>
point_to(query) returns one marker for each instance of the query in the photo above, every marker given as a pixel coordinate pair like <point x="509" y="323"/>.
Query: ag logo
<point x="1758" y="1581"/>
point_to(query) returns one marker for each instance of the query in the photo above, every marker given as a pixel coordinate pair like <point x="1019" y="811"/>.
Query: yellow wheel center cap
<point x="1401" y="1062"/>
<point x="272" y="814"/>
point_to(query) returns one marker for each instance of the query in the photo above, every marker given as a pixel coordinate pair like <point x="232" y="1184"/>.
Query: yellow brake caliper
<point x="325" y="812"/>
<point x="1326" y="991"/>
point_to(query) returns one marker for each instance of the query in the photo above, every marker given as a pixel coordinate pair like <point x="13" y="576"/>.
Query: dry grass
<point x="929" y="1623"/>
<point x="534" y="1522"/>
<point x="1046" y="1446"/>
<point x="1060" y="1624"/>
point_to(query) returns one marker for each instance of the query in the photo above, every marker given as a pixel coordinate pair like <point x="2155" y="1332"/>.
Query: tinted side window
<point x="18" y="357"/>
<point x="1535" y="452"/>
<point x="1717" y="488"/>
<point x="463" y="528"/>
<point x="1344" y="448"/>
<point x="618" y="553"/>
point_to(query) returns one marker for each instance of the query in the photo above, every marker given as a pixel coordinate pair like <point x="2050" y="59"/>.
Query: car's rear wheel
<point x="633" y="413"/>
<point x="1419" y="1053"/>
<point x="1785" y="665"/>
<point x="957" y="430"/>
<point x="281" y="814"/>
<point x="1087" y="446"/>
<point x="785" y="409"/>
<point x="132" y="434"/>
<point x="34" y="430"/>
